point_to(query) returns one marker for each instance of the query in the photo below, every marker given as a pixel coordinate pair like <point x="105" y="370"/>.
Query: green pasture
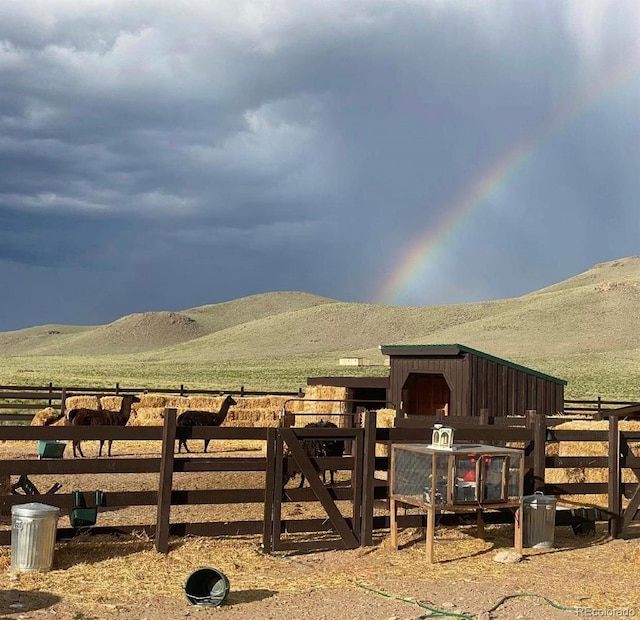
<point x="613" y="376"/>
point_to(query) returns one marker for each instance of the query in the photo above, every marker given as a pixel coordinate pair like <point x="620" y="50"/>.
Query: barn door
<point x="347" y="528"/>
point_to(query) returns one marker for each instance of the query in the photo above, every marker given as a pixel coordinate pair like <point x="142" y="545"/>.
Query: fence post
<point x="269" y="491"/>
<point x="166" y="481"/>
<point x="599" y="411"/>
<point x="50" y="391"/>
<point x="368" y="477"/>
<point x="615" y="498"/>
<point x="484" y="416"/>
<point x="117" y="389"/>
<point x="63" y="400"/>
<point x="530" y="418"/>
<point x="539" y="453"/>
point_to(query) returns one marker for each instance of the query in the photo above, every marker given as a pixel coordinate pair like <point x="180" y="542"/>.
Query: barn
<point x="463" y="381"/>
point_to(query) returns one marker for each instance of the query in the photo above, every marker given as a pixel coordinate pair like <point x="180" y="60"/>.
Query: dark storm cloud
<point x="261" y="146"/>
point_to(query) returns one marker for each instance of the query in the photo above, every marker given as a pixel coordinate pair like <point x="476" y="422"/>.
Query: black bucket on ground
<point x="206" y="586"/>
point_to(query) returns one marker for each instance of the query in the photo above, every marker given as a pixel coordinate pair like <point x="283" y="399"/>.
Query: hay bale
<point x="205" y="403"/>
<point x="179" y="402"/>
<point x="321" y="402"/>
<point x="147" y="416"/>
<point x="152" y="400"/>
<point x="385" y="419"/>
<point x="44" y="417"/>
<point x="86" y="401"/>
<point x="593" y="448"/>
<point x="588" y="448"/>
<point x="111" y="403"/>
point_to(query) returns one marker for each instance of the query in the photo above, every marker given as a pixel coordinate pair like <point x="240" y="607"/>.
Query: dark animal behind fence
<point x="101" y="417"/>
<point x="331" y="447"/>
<point x="314" y="448"/>
<point x="203" y="418"/>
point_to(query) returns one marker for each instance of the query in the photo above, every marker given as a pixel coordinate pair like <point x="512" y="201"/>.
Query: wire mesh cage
<point x="462" y="474"/>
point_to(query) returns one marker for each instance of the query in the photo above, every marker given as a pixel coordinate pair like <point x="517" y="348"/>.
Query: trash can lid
<point x="539" y="498"/>
<point x="34" y="510"/>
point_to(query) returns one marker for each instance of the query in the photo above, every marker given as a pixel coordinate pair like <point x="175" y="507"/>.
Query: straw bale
<point x="179" y="402"/>
<point x="152" y="400"/>
<point x="205" y="403"/>
<point x="326" y="402"/>
<point x="111" y="403"/>
<point x="147" y="416"/>
<point x="552" y="448"/>
<point x="86" y="401"/>
<point x="588" y="448"/>
<point x="385" y="419"/>
<point x="592" y="448"/>
<point x="327" y="393"/>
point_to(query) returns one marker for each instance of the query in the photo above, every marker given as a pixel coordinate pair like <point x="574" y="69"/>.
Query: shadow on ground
<point x="236" y="597"/>
<point x="19" y="602"/>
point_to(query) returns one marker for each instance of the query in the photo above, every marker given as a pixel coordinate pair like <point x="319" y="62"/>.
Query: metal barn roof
<point x="453" y="350"/>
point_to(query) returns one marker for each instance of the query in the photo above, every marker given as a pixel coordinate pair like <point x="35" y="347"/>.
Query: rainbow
<point x="423" y="249"/>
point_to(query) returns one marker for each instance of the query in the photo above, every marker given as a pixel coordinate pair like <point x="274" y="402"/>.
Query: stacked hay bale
<point x="150" y="410"/>
<point x="588" y="448"/>
<point x="86" y="401"/>
<point x="385" y="419"/>
<point x="321" y="402"/>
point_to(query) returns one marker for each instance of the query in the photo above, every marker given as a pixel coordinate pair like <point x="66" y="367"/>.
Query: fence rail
<point x="365" y="481"/>
<point x="596" y="407"/>
<point x="14" y="398"/>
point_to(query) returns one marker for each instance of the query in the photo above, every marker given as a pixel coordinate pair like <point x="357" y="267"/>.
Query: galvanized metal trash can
<point x="33" y="536"/>
<point x="538" y="520"/>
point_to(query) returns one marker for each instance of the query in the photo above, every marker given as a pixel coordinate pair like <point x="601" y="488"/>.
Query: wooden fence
<point x="24" y="397"/>
<point x="366" y="489"/>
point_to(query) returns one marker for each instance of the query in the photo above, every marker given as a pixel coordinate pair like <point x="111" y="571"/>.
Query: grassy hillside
<point x="585" y="329"/>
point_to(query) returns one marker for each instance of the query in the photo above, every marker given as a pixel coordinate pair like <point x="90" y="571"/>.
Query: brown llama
<point x="314" y="448"/>
<point x="101" y="417"/>
<point x="194" y="417"/>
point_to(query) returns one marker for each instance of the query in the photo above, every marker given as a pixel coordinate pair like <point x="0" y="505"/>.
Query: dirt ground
<point x="95" y="577"/>
<point x="117" y="579"/>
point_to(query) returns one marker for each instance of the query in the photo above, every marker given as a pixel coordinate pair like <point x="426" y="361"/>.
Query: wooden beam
<point x="615" y="497"/>
<point x="540" y="441"/>
<point x="368" y="478"/>
<point x="269" y="489"/>
<point x="166" y="481"/>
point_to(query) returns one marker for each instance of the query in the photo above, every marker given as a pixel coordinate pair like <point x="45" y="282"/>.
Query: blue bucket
<point x="207" y="587"/>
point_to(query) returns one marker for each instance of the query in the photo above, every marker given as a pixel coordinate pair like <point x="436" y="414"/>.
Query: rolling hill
<point x="585" y="326"/>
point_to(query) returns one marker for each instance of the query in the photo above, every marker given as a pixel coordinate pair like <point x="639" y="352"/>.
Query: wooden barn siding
<point x="507" y="391"/>
<point x="455" y="371"/>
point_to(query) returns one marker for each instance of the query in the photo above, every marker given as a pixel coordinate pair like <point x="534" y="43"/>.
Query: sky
<point x="160" y="155"/>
